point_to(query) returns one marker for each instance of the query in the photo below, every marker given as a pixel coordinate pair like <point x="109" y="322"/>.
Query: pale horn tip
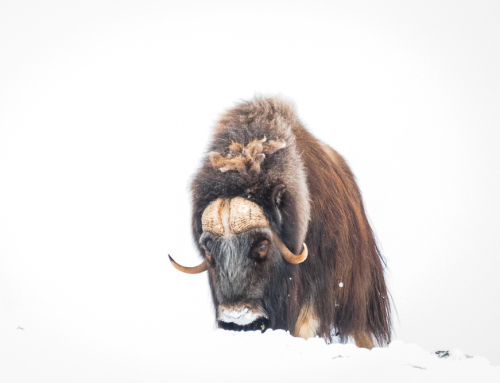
<point x="288" y="255"/>
<point x="189" y="270"/>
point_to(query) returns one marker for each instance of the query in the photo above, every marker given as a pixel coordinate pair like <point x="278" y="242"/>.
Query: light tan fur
<point x="245" y="159"/>
<point x="307" y="325"/>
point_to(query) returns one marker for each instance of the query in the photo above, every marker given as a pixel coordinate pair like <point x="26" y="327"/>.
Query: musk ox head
<point x="242" y="255"/>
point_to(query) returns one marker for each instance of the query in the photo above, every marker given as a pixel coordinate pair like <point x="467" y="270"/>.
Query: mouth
<point x="260" y="323"/>
<point x="242" y="318"/>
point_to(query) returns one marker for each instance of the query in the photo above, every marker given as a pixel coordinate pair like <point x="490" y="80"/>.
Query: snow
<point x="45" y="356"/>
<point x="105" y="112"/>
<point x="240" y="316"/>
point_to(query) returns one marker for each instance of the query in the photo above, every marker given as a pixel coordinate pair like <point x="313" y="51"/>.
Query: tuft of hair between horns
<point x="245" y="159"/>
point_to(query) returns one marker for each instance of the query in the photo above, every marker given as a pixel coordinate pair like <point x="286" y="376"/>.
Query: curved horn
<point x="190" y="270"/>
<point x="288" y="255"/>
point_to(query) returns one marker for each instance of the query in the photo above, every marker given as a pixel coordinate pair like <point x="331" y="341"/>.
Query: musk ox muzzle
<point x="227" y="217"/>
<point x="241" y="314"/>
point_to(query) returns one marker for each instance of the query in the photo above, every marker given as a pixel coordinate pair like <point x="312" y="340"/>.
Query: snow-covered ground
<point x="221" y="356"/>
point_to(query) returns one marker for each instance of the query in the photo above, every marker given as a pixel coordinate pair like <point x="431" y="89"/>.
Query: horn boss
<point x="240" y="215"/>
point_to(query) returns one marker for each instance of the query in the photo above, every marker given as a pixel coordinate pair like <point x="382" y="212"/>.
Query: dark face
<point x="240" y="267"/>
<point x="251" y="271"/>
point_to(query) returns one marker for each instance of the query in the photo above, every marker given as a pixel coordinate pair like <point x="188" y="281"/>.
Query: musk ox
<point x="280" y="225"/>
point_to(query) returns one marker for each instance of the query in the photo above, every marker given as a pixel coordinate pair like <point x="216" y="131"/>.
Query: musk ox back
<point x="279" y="222"/>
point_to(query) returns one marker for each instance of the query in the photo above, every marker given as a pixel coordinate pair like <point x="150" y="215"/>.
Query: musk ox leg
<point x="364" y="340"/>
<point x="307" y="325"/>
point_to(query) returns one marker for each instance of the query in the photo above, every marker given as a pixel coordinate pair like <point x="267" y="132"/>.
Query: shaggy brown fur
<point x="308" y="194"/>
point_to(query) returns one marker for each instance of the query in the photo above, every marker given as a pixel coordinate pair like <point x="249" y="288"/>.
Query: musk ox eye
<point x="208" y="245"/>
<point x="262" y="248"/>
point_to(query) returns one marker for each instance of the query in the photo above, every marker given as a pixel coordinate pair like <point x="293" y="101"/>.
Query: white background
<point x="106" y="108"/>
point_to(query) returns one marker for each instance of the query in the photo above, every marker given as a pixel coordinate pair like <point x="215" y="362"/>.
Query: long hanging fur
<point x="308" y="194"/>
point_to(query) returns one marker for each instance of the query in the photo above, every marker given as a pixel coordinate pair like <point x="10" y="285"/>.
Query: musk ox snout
<point x="241" y="314"/>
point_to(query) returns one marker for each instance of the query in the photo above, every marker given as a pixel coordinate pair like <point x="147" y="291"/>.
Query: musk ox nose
<point x="240" y="314"/>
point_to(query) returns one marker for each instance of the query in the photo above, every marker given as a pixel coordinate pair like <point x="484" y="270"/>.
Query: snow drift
<point x="50" y="356"/>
